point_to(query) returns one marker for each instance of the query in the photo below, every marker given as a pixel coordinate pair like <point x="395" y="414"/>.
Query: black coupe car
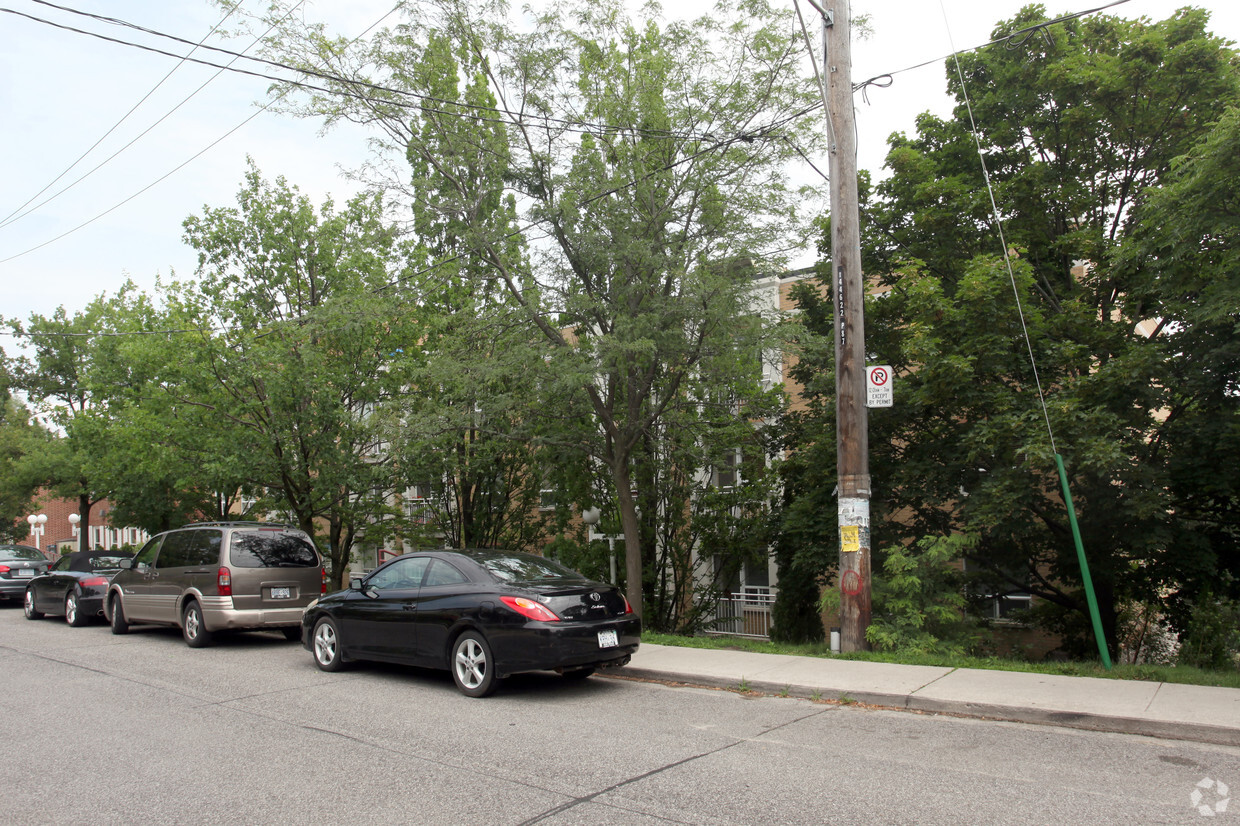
<point x="483" y="615"/>
<point x="74" y="587"/>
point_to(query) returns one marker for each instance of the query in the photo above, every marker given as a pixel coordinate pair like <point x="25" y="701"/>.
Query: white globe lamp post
<point x="37" y="521"/>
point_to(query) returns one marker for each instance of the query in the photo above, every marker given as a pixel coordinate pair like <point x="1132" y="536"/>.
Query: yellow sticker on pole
<point x="850" y="538"/>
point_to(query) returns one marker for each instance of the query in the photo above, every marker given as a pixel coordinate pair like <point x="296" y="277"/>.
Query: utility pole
<point x="848" y="289"/>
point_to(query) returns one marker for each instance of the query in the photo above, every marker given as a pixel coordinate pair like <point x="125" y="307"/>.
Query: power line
<point x="180" y="166"/>
<point x="457" y="106"/>
<point x="875" y="81"/>
<point x="10" y="218"/>
<point x="764" y="132"/>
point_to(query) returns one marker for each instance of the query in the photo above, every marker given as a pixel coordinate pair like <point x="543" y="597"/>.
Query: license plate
<point x="281" y="593"/>
<point x="25" y="572"/>
<point x="608" y="639"/>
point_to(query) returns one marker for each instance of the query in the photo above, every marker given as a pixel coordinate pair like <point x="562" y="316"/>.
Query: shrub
<point x="918" y="600"/>
<point x="1211" y="639"/>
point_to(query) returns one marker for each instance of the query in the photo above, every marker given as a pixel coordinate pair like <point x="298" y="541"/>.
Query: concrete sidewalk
<point x="1182" y="712"/>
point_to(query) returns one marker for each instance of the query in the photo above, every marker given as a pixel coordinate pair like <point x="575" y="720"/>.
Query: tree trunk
<point x="83" y="541"/>
<point x="631" y="529"/>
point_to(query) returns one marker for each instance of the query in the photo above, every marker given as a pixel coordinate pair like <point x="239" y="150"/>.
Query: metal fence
<point x="746" y="613"/>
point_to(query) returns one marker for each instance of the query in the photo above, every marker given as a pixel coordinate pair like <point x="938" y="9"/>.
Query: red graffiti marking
<point x="851" y="583"/>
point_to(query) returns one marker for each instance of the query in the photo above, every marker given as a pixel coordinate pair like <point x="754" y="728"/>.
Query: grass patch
<point x="1150" y="673"/>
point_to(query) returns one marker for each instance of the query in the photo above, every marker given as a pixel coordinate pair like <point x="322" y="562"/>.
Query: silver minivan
<point x="218" y="576"/>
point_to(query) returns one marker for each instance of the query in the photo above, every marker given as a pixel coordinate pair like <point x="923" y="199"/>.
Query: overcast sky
<point x="61" y="92"/>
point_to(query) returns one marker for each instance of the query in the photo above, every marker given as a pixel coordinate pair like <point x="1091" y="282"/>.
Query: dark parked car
<point x="18" y="565"/>
<point x="74" y="587"/>
<point x="483" y="615"/>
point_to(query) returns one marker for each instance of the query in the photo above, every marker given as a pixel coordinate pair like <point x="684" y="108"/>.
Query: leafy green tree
<point x="466" y="433"/>
<point x="56" y="378"/>
<point x="123" y="440"/>
<point x="291" y="354"/>
<point x="805" y="545"/>
<point x="21" y="439"/>
<point x="1077" y="125"/>
<point x="644" y="155"/>
<point x="1182" y="268"/>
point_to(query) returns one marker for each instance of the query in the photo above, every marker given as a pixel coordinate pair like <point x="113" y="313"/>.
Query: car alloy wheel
<point x="473" y="667"/>
<point x="72" y="615"/>
<point x="326" y="642"/>
<point x="28" y="606"/>
<point x="192" y="628"/>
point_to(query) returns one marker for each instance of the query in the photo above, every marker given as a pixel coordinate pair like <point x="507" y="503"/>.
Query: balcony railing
<point x="745" y="613"/>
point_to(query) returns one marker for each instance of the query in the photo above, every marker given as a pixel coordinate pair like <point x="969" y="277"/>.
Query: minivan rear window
<point x="272" y="549"/>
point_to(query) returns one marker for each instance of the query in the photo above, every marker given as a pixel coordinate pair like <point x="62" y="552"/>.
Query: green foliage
<point x="795" y="616"/>
<point x="918" y="600"/>
<point x="651" y="159"/>
<point x="806" y="545"/>
<point x="60" y="376"/>
<point x="275" y="393"/>
<point x="1211" y="637"/>
<point x="1079" y="127"/>
<point x="22" y="441"/>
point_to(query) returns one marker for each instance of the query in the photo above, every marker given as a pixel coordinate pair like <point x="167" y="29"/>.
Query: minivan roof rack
<point x="242" y="523"/>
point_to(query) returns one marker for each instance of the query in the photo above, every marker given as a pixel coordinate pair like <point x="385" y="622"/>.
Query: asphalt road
<point x="142" y="729"/>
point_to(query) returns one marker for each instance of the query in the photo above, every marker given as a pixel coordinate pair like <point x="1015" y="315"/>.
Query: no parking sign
<point x="878" y="392"/>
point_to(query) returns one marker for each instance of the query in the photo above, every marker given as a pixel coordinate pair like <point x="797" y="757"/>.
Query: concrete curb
<point x="1089" y="721"/>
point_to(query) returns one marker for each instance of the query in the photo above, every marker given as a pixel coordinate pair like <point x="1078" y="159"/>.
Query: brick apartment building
<point x="58" y="533"/>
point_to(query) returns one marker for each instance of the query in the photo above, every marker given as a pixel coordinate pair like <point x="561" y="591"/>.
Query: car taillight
<point x="530" y="609"/>
<point x="224" y="578"/>
<point x="4" y="569"/>
<point x="628" y="609"/>
<point x="323" y="587"/>
<point x="91" y="582"/>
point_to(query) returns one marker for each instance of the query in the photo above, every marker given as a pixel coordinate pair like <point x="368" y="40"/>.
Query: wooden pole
<point x="852" y="422"/>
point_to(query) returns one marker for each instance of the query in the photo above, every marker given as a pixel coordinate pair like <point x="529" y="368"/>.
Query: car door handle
<point x="409" y="608"/>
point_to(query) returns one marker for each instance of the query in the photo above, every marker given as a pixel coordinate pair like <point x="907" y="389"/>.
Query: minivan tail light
<point x="530" y="609"/>
<point x="323" y="587"/>
<point x="224" y="577"/>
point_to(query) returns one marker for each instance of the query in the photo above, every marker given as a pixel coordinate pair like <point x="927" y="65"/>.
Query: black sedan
<point x="74" y="587"/>
<point x="18" y="565"/>
<point x="483" y="615"/>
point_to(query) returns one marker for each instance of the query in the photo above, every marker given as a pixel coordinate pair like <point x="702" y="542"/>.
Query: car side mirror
<point x="126" y="563"/>
<point x="355" y="583"/>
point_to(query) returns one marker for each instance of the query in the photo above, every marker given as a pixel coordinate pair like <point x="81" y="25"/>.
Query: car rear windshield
<point x="527" y="568"/>
<point x="20" y="552"/>
<point x="105" y="563"/>
<point x="272" y="549"/>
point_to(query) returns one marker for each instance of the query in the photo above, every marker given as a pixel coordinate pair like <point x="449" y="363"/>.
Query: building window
<point x="548" y="497"/>
<point x="728" y="471"/>
<point x="1012" y="608"/>
<point x="999" y="602"/>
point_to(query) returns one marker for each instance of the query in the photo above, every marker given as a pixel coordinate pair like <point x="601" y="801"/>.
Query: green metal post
<point x="1086" y="579"/>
